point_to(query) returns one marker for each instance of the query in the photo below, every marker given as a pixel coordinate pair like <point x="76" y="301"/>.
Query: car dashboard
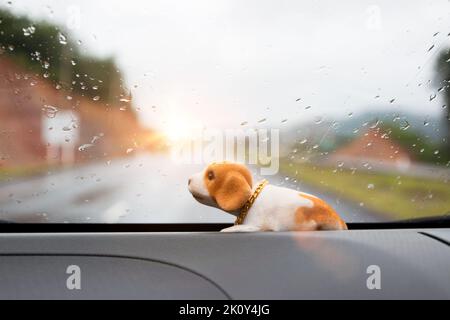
<point x="354" y="264"/>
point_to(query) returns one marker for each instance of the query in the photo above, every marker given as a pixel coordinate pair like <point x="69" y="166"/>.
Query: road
<point x="141" y="189"/>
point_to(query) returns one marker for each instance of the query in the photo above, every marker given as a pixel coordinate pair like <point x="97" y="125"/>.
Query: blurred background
<point x="93" y="94"/>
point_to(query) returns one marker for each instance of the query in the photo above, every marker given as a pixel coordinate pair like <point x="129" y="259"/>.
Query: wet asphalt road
<point x="141" y="189"/>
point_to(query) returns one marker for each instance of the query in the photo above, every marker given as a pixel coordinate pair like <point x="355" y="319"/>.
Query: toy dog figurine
<point x="262" y="207"/>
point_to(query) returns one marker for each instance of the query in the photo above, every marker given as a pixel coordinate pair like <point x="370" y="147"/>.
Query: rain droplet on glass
<point x="50" y="111"/>
<point x="62" y="38"/>
<point x="405" y="126"/>
<point x="85" y="146"/>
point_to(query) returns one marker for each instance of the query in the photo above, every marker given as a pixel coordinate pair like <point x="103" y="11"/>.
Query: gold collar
<point x="248" y="204"/>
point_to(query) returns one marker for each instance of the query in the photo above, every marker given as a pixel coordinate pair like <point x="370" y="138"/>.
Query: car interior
<point x="174" y="262"/>
<point x="224" y="150"/>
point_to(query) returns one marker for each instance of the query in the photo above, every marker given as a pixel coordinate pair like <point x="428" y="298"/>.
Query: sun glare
<point x="181" y="127"/>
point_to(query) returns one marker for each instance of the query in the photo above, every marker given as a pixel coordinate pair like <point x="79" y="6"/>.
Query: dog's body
<point x="278" y="209"/>
<point x="229" y="186"/>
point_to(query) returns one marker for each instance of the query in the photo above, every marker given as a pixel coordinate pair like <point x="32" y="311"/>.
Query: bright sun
<point x="180" y="127"/>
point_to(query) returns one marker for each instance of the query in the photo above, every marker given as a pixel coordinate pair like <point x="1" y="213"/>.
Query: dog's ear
<point x="233" y="192"/>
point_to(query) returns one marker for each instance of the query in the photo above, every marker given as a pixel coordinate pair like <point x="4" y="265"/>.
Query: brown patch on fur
<point x="319" y="217"/>
<point x="231" y="185"/>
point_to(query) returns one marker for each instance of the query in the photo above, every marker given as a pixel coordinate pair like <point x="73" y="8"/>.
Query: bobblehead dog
<point x="260" y="207"/>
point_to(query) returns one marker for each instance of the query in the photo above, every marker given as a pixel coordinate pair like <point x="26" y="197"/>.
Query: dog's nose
<point x="189" y="181"/>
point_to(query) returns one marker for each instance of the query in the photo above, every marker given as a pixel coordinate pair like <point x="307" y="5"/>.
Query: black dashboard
<point x="355" y="264"/>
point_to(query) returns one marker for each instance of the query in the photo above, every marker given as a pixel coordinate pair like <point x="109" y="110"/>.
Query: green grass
<point x="22" y="171"/>
<point x="393" y="196"/>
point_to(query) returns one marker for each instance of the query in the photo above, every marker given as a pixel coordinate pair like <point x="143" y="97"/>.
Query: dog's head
<point x="222" y="185"/>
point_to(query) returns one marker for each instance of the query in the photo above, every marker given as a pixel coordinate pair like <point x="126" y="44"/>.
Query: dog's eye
<point x="210" y="175"/>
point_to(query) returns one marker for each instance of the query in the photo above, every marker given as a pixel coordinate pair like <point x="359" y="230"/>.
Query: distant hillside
<point x="429" y="127"/>
<point x="408" y="129"/>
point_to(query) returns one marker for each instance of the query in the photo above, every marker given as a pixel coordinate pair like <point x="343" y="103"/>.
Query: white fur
<point x="275" y="208"/>
<point x="241" y="228"/>
<point x="197" y="186"/>
<point x="199" y="191"/>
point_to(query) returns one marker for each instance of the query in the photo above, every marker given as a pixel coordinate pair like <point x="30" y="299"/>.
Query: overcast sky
<point x="220" y="63"/>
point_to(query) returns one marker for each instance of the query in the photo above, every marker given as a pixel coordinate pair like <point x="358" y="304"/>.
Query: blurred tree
<point x="48" y="50"/>
<point x="443" y="73"/>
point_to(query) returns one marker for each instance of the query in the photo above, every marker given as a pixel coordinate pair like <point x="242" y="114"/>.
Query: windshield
<point x="108" y="107"/>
